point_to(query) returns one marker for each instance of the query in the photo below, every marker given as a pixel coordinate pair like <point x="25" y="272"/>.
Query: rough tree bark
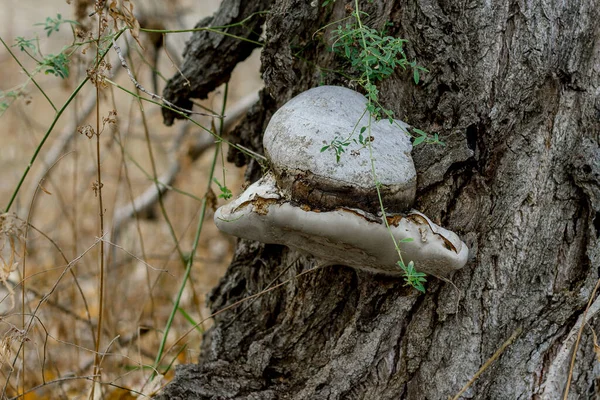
<point x="514" y="91"/>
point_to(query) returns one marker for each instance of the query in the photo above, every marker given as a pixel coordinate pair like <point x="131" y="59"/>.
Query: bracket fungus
<point x="298" y="131"/>
<point x="330" y="209"/>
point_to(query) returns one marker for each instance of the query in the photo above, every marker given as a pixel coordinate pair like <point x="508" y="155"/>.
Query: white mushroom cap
<point x="343" y="236"/>
<point x="304" y="125"/>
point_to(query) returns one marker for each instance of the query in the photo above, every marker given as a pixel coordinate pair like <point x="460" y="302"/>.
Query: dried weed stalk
<point x="12" y="239"/>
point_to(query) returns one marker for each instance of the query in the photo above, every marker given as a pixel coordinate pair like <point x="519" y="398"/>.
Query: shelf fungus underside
<point x="343" y="236"/>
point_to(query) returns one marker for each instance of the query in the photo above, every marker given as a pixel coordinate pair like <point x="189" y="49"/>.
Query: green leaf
<point x="24" y="44"/>
<point x="419" y="140"/>
<point x="225" y="192"/>
<point x="56" y="65"/>
<point x="406" y="240"/>
<point x="324" y="148"/>
<point x="416" y="75"/>
<point x="419" y="287"/>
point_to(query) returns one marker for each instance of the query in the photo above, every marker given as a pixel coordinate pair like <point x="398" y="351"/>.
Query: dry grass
<point x="143" y="269"/>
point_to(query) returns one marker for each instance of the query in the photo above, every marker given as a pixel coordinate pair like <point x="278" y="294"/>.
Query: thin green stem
<point x="243" y="39"/>
<point x="212" y="29"/>
<point x="373" y="172"/>
<point x="256" y="156"/>
<point x="190" y="260"/>
<point x="47" y="134"/>
<point x="27" y="73"/>
<point x="98" y="189"/>
<point x="377" y="187"/>
<point x="329" y="24"/>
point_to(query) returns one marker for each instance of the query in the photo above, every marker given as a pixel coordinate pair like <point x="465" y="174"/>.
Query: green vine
<point x="374" y="56"/>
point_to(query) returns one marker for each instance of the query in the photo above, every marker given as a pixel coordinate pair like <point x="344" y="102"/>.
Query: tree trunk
<point x="514" y="92"/>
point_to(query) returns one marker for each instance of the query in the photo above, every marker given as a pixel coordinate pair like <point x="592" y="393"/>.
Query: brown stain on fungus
<point x="394" y="220"/>
<point x="366" y="216"/>
<point x="420" y="220"/>
<point x="261" y="206"/>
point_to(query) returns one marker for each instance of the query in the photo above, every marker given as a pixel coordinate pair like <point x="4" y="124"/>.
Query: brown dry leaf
<point x="5" y="350"/>
<point x="120" y="394"/>
<point x="31" y="396"/>
<point x="5" y="271"/>
<point x="125" y="13"/>
<point x="12" y="232"/>
<point x="211" y="200"/>
<point x="132" y="22"/>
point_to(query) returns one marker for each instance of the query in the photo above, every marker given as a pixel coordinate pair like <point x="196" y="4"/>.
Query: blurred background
<point x="52" y="263"/>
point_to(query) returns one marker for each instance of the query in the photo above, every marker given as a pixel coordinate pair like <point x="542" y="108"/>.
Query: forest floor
<point x="50" y="268"/>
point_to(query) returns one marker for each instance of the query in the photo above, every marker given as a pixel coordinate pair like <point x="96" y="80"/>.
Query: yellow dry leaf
<point x="120" y="394"/>
<point x="32" y="396"/>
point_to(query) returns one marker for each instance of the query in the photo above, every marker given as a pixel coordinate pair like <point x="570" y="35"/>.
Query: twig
<point x="42" y="301"/>
<point x="54" y="304"/>
<point x="58" y="380"/>
<point x="98" y="192"/>
<point x="66" y="136"/>
<point x="489" y="362"/>
<point x="24" y="262"/>
<point x="153" y="95"/>
<point x="150" y="196"/>
<point x="591" y="310"/>
<point x="241" y="301"/>
<point x="136" y="257"/>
